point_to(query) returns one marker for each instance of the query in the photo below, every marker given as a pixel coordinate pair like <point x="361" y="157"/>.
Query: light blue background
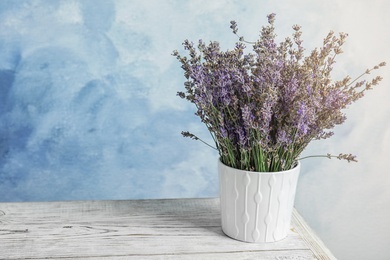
<point x="88" y="107"/>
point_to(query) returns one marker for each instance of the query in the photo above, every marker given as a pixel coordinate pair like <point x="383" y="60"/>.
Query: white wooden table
<point x="138" y="229"/>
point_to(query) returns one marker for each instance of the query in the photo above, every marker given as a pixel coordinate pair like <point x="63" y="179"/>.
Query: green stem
<point x="209" y="145"/>
<point x="366" y="72"/>
<point x="318" y="156"/>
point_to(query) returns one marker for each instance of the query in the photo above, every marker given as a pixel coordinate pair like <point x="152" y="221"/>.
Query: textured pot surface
<point x="256" y="206"/>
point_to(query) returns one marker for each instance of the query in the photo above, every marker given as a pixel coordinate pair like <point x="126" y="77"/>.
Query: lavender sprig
<point x="194" y="137"/>
<point x="262" y="108"/>
<point x="341" y="156"/>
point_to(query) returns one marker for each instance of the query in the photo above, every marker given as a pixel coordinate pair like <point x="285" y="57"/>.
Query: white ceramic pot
<point x="256" y="206"/>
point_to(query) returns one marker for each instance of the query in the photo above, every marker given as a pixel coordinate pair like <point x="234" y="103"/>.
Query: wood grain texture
<point x="138" y="229"/>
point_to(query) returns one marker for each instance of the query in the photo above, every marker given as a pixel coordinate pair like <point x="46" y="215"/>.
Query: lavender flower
<point x="263" y="108"/>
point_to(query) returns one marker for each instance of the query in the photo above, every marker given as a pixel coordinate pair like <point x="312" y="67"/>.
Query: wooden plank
<point x="314" y="242"/>
<point x="138" y="229"/>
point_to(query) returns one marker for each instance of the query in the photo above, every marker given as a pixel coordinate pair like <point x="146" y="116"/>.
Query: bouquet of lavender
<point x="264" y="107"/>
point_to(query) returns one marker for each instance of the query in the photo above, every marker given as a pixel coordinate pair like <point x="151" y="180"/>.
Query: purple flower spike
<point x="264" y="107"/>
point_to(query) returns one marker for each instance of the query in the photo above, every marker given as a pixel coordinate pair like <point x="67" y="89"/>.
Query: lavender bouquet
<point x="264" y="107"/>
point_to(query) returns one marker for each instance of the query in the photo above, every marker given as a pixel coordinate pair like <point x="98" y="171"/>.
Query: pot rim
<point x="295" y="168"/>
